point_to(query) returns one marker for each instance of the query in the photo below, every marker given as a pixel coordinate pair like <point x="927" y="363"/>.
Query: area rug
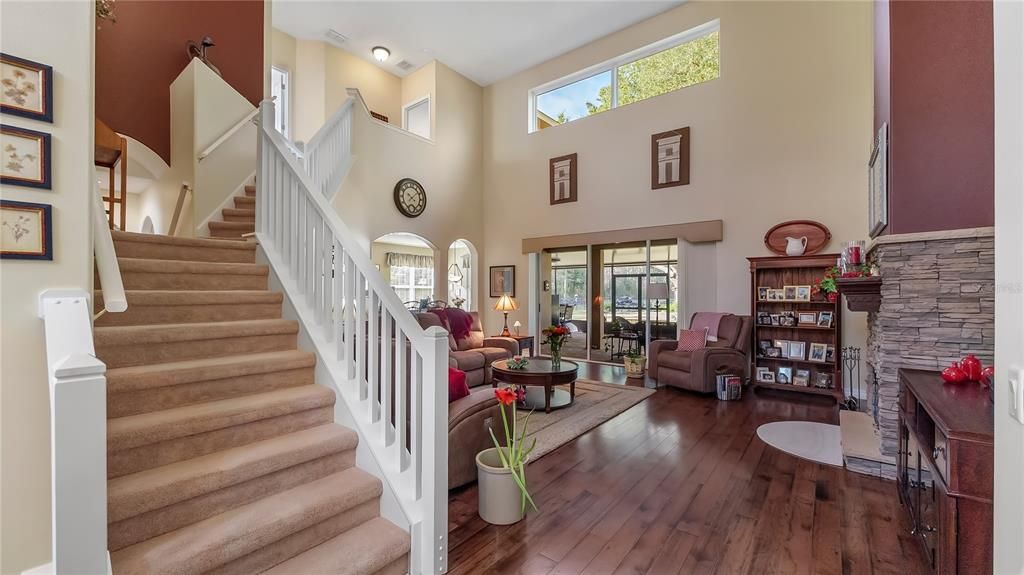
<point x="818" y="442"/>
<point x="595" y="404"/>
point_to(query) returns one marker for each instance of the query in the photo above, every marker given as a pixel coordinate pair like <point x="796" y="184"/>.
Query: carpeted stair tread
<point x="177" y="241"/>
<point x="362" y="550"/>
<point x="196" y="297"/>
<point x="245" y="202"/>
<point x="159" y="487"/>
<point x="238" y="215"/>
<point x="154" y="266"/>
<point x="125" y="379"/>
<point x="118" y="335"/>
<point x="232" y="226"/>
<point x="250" y="191"/>
<point x="148" y="428"/>
<point x="218" y="540"/>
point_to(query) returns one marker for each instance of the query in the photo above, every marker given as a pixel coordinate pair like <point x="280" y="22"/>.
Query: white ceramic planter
<point x="500" y="498"/>
<point x="634" y="366"/>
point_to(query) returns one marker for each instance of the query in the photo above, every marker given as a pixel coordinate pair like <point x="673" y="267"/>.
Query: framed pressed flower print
<point x="27" y="88"/>
<point x="26" y="231"/>
<point x="24" y="157"/>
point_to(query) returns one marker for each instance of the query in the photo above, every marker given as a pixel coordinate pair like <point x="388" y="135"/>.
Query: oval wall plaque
<point x="817" y="234"/>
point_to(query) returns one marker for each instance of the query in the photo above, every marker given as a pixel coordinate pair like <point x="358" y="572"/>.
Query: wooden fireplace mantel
<point x="862" y="294"/>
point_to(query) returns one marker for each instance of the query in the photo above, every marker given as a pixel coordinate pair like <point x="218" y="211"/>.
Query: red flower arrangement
<point x="555" y="336"/>
<point x="505" y="395"/>
<point x="827" y="285"/>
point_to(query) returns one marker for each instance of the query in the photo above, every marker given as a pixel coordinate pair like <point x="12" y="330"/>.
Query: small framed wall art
<point x="562" y="178"/>
<point x="26" y="231"/>
<point x="670" y="158"/>
<point x="503" y="281"/>
<point x="26" y="157"/>
<point x="27" y="88"/>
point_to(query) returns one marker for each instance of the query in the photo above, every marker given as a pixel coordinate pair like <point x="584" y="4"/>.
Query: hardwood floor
<point x="681" y="484"/>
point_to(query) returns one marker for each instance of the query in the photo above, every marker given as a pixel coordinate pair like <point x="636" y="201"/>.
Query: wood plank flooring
<point x="681" y="484"/>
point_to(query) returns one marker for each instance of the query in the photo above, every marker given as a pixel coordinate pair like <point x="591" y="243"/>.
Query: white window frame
<point x="413" y="104"/>
<point x="407" y="292"/>
<point x="613" y="64"/>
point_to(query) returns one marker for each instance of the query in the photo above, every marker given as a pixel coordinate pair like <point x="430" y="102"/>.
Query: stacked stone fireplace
<point x="937" y="306"/>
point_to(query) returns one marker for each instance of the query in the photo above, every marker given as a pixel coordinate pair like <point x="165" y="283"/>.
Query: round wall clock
<point x="410" y="198"/>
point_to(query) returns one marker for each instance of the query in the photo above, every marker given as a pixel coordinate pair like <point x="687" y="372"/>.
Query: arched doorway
<point x="407" y="263"/>
<point x="461" y="274"/>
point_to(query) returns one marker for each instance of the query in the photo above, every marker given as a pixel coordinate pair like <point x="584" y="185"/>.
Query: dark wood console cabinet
<point x="945" y="470"/>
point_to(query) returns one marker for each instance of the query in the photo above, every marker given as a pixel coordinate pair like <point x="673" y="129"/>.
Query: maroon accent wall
<point x="941" y="114"/>
<point x="139" y="56"/>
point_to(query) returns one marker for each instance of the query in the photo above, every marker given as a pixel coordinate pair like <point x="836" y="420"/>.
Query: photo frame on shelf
<point x="823" y="380"/>
<point x="783" y="346"/>
<point x="27" y="88"/>
<point x="764" y="318"/>
<point x="26" y="231"/>
<point x="803" y="293"/>
<point x="776" y="319"/>
<point x="830" y="354"/>
<point x="26" y="157"/>
<point x="765" y="375"/>
<point x="802" y="377"/>
<point x="824" y="319"/>
<point x="775" y="352"/>
<point x="807" y="318"/>
<point x="502" y="281"/>
<point x="797" y="350"/>
<point x="817" y="352"/>
<point x="788" y="319"/>
<point x="784" y="375"/>
<point x="775" y="295"/>
<point x="789" y="293"/>
<point x="763" y="345"/>
<point x="762" y="293"/>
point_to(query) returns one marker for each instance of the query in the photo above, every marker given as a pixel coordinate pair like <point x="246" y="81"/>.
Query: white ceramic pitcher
<point x="796" y="246"/>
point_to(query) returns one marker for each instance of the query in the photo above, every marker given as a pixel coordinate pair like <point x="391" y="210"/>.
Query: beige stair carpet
<point x="222" y="452"/>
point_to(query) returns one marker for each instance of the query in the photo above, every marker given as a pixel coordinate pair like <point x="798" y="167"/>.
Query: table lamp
<point x="516" y="327"/>
<point x="506" y="304"/>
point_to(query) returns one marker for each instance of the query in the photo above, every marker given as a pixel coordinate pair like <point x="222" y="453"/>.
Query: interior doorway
<point x="279" y="90"/>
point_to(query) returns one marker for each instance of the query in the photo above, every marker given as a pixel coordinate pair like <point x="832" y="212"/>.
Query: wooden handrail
<point x="186" y="189"/>
<point x="114" y="299"/>
<point x="250" y="117"/>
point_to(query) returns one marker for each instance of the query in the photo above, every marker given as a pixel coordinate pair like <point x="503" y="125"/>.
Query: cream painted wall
<point x="416" y="85"/>
<point x="60" y="34"/>
<point x="381" y="90"/>
<point x="310" y="89"/>
<point x="448" y="167"/>
<point x="783" y="134"/>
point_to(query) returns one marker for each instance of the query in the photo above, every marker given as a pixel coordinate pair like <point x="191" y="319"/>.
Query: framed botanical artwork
<point x="26" y="231"/>
<point x="562" y="178"/>
<point x="817" y="352"/>
<point x="807" y="318"/>
<point x="878" y="183"/>
<point x="27" y="88"/>
<point x="670" y="158"/>
<point x="26" y="157"/>
<point x="503" y="281"/>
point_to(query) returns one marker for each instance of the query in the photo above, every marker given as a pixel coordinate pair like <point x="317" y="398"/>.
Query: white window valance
<point x="396" y="259"/>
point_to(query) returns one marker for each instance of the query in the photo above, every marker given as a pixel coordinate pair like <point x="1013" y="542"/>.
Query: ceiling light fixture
<point x="380" y="53"/>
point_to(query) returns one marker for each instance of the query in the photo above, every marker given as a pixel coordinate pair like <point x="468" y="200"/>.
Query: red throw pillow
<point x="692" y="339"/>
<point x="457" y="387"/>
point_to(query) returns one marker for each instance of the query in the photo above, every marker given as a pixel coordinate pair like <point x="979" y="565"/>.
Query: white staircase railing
<point x="391" y="373"/>
<point x="328" y="154"/>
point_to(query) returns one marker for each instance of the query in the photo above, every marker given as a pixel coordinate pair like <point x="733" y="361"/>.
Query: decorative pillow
<point x="692" y="339"/>
<point x="457" y="387"/>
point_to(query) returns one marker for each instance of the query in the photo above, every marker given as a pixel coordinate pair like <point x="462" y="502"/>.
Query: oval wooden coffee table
<point x="540" y="379"/>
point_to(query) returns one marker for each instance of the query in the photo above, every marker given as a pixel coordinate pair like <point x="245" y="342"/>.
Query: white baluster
<point x="401" y="393"/>
<point x="387" y="346"/>
<point x="373" y="368"/>
<point x="361" y="317"/>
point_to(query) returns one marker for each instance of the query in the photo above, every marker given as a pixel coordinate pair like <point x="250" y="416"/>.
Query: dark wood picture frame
<point x="573" y="170"/>
<point x="494" y="288"/>
<point x="45" y="181"/>
<point x="45" y="75"/>
<point x="683" y="152"/>
<point x="45" y="215"/>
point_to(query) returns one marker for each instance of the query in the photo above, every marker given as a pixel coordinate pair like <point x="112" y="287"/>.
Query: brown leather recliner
<point x="696" y="370"/>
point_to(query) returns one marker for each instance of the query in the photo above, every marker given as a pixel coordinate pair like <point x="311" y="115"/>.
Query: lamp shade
<point x="517" y="324"/>
<point x="506" y="303"/>
<point x="657" y="291"/>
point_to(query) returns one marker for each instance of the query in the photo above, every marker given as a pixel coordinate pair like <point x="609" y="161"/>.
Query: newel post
<point x="430" y="537"/>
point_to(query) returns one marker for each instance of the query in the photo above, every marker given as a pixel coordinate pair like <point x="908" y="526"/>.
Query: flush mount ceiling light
<point x="380" y="53"/>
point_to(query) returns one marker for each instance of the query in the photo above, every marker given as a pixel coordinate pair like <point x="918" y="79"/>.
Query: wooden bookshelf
<point x="776" y="272"/>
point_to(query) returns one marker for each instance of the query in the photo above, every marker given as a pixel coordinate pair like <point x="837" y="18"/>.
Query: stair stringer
<point x="390" y="506"/>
